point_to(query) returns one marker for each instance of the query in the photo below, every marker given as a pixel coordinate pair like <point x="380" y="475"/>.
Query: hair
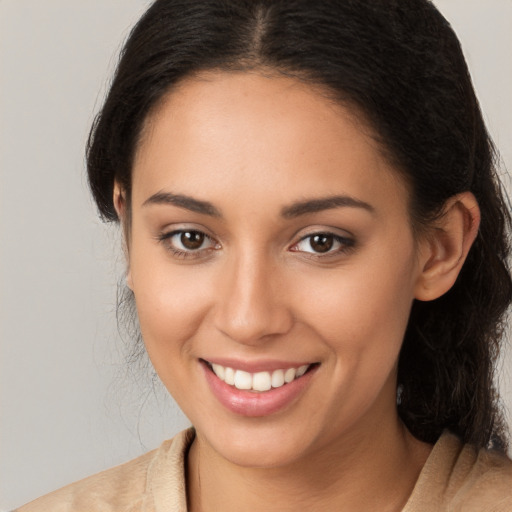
<point x="401" y="66"/>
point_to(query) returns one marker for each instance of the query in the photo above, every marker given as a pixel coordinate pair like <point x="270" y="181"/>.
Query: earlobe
<point x="129" y="281"/>
<point x="119" y="201"/>
<point x="445" y="249"/>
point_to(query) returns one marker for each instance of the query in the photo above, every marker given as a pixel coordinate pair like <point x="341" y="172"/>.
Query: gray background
<point x="69" y="405"/>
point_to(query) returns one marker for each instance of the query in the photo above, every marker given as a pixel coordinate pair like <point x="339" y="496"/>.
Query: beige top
<point x="455" y="478"/>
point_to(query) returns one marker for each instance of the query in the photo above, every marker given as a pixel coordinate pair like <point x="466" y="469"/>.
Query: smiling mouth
<point x="259" y="381"/>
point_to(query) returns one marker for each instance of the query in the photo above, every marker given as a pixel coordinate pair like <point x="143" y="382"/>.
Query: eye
<point x="189" y="240"/>
<point x="323" y="243"/>
<point x="187" y="243"/>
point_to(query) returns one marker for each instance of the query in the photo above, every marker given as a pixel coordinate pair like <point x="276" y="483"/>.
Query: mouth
<point x="261" y="381"/>
<point x="257" y="389"/>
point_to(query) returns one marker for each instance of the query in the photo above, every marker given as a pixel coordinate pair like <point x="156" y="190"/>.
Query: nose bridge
<point x="250" y="306"/>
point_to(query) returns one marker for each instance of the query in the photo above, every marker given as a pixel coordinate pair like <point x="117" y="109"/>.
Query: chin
<point x="256" y="456"/>
<point x="258" y="447"/>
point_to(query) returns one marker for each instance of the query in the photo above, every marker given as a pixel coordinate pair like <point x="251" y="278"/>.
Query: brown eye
<point x="321" y="242"/>
<point x="185" y="243"/>
<point x="192" y="240"/>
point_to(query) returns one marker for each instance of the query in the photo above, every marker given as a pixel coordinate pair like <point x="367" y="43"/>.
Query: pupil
<point x="321" y="243"/>
<point x="192" y="239"/>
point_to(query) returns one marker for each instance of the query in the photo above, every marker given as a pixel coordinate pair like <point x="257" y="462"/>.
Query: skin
<point x="252" y="146"/>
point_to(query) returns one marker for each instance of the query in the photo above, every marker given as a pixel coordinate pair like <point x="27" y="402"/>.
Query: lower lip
<point x="253" y="404"/>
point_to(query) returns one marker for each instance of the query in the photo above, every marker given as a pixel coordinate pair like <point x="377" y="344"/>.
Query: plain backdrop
<point x="69" y="404"/>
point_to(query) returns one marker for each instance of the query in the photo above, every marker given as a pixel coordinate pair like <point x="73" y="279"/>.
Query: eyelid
<point x="322" y="228"/>
<point x="165" y="237"/>
<point x="346" y="241"/>
<point x="174" y="227"/>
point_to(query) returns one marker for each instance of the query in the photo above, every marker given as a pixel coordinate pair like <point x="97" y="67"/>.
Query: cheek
<point x="360" y="317"/>
<point x="170" y="299"/>
<point x="170" y="311"/>
<point x="361" y="310"/>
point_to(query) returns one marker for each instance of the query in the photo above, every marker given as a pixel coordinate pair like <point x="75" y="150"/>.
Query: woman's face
<point x="268" y="236"/>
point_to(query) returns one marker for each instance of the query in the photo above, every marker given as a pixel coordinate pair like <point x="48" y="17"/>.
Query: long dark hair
<point x="401" y="66"/>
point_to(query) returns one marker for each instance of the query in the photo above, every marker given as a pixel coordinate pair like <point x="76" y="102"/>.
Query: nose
<point x="251" y="302"/>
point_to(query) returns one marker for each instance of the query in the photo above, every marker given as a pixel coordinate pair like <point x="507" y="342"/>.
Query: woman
<point x="316" y="246"/>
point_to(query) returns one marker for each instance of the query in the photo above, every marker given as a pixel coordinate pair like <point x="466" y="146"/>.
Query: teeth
<point x="260" y="381"/>
<point x="277" y="378"/>
<point x="219" y="371"/>
<point x="229" y="376"/>
<point x="289" y="375"/>
<point x="301" y="370"/>
<point x="243" y="380"/>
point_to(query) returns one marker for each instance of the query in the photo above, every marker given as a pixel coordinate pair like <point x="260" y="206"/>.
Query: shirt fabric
<point x="455" y="478"/>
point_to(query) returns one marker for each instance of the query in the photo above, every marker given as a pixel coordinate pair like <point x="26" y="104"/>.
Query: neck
<point x="364" y="470"/>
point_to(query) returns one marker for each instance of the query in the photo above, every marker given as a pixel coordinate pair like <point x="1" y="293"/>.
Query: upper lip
<point x="261" y="365"/>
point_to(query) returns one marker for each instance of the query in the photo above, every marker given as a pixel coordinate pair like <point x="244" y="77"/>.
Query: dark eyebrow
<point x="182" y="201"/>
<point x="323" y="203"/>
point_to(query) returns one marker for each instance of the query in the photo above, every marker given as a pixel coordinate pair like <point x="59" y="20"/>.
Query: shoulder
<point x="459" y="477"/>
<point x="129" y="487"/>
<point x="119" y="488"/>
<point x="482" y="477"/>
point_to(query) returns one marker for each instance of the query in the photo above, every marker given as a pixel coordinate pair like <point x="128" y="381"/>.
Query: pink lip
<point x="251" y="404"/>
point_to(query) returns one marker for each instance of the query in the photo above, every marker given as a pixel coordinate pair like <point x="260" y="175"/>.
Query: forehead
<point x="252" y="133"/>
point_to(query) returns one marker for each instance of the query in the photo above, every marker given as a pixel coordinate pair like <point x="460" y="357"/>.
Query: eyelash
<point x="166" y="239"/>
<point x="345" y="244"/>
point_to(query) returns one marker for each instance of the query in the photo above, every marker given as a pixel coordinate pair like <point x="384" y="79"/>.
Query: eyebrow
<point x="288" y="212"/>
<point x="323" y="203"/>
<point x="183" y="201"/>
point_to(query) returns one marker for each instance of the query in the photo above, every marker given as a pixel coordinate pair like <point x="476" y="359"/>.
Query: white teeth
<point x="289" y="375"/>
<point x="219" y="371"/>
<point x="243" y="380"/>
<point x="259" y="381"/>
<point x="229" y="376"/>
<point x="277" y="378"/>
<point x="301" y="370"/>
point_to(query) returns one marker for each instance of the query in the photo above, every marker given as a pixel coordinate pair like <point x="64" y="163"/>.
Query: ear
<point x="444" y="250"/>
<point x="119" y="201"/>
